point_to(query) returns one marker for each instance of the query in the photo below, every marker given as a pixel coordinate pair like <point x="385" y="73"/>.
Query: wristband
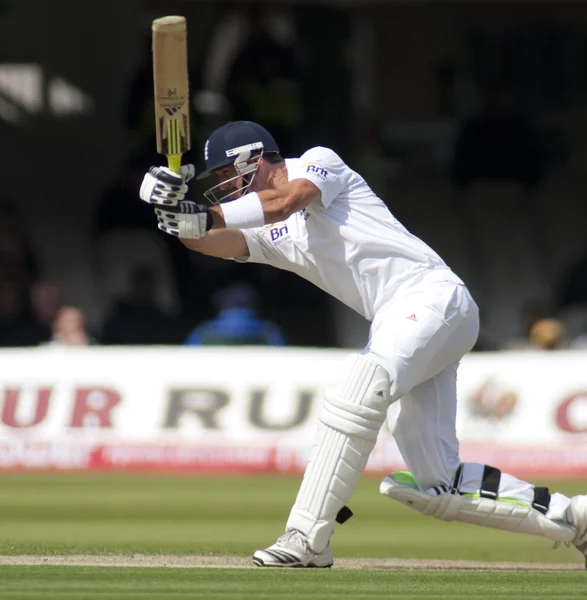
<point x="244" y="213"/>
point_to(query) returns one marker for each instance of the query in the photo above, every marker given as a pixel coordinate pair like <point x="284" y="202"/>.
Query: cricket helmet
<point x="238" y="143"/>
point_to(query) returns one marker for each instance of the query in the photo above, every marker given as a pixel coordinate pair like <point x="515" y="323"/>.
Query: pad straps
<point x="490" y="483"/>
<point x="490" y="488"/>
<point x="344" y="514"/>
<point x="541" y="499"/>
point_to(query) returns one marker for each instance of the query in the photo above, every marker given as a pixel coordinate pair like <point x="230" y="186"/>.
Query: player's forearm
<point x="265" y="207"/>
<point x="275" y="207"/>
<point x="278" y="205"/>
<point x="221" y="243"/>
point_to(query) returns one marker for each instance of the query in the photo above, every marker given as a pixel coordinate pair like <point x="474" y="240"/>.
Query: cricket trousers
<point x="419" y="338"/>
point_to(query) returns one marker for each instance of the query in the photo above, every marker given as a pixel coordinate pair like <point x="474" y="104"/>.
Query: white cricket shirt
<point x="348" y="243"/>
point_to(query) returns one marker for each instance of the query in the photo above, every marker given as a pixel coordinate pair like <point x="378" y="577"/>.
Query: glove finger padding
<point x="185" y="207"/>
<point x="187" y="172"/>
<point x="166" y="175"/>
<point x="163" y="186"/>
<point x="186" y="220"/>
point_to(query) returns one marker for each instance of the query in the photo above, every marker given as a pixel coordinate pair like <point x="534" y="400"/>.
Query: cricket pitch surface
<point x="237" y="562"/>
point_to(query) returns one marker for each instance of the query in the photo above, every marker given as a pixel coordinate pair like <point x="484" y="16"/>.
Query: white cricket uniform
<point x="423" y="319"/>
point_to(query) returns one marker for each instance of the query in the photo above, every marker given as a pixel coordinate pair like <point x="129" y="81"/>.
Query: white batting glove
<point x="165" y="187"/>
<point x="186" y="220"/>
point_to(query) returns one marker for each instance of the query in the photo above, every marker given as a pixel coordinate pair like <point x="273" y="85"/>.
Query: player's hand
<point x="164" y="187"/>
<point x="186" y="220"/>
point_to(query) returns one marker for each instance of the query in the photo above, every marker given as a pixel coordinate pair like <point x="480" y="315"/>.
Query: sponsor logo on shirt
<point x="278" y="233"/>
<point x="317" y="170"/>
<point x="304" y="214"/>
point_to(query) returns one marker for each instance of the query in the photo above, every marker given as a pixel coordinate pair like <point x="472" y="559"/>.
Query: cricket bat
<point x="170" y="78"/>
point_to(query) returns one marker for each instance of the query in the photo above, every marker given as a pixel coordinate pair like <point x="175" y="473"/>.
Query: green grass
<point x="117" y="583"/>
<point x="113" y="514"/>
<point x="127" y="514"/>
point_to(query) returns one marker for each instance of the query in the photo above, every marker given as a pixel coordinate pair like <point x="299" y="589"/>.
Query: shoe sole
<point x="259" y="563"/>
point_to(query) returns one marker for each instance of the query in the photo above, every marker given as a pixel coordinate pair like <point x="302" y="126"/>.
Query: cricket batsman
<point x="316" y="217"/>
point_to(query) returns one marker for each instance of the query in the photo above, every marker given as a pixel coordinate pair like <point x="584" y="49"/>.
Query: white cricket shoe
<point x="578" y="509"/>
<point x="291" y="550"/>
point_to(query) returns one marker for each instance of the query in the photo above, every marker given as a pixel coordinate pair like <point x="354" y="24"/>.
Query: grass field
<point x="144" y="518"/>
<point x="93" y="583"/>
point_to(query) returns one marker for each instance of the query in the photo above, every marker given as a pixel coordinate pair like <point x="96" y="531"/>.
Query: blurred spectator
<point x="18" y="326"/>
<point x="539" y="329"/>
<point x="237" y="321"/>
<point x="531" y="312"/>
<point x="46" y="301"/>
<point x="547" y="334"/>
<point x="499" y="143"/>
<point x="137" y="319"/>
<point x="69" y="328"/>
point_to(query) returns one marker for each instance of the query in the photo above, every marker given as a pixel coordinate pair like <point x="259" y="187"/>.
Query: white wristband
<point x="244" y="213"/>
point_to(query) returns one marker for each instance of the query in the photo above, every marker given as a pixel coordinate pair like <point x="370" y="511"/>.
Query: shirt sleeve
<point x="256" y="254"/>
<point x="325" y="169"/>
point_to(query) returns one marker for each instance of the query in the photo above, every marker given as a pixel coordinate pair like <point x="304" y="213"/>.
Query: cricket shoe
<point x="291" y="550"/>
<point x="578" y="510"/>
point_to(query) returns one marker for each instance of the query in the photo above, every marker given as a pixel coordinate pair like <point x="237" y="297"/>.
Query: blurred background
<point x="468" y="118"/>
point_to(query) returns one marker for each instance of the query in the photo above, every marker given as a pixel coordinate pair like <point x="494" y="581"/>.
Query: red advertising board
<point x="255" y="410"/>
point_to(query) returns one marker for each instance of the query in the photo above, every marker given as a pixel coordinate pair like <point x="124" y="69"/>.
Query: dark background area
<point x="467" y="118"/>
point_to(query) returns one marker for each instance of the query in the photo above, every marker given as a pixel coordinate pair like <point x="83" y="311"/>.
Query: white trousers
<point x="420" y="338"/>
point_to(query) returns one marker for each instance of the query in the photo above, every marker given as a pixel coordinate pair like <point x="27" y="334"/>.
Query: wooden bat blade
<point x="171" y="89"/>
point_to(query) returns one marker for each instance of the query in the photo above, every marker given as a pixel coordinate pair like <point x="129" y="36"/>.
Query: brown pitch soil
<point x="237" y="562"/>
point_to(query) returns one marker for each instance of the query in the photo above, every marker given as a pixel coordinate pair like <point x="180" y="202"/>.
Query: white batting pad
<point x="512" y="510"/>
<point x="352" y="414"/>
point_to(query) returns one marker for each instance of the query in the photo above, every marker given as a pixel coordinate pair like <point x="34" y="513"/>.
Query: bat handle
<point x="174" y="162"/>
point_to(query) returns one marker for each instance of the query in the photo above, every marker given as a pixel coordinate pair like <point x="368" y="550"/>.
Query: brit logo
<point x="278" y="234"/>
<point x="317" y="170"/>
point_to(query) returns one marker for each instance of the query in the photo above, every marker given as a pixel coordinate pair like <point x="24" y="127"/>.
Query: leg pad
<point x="477" y="508"/>
<point x="352" y="414"/>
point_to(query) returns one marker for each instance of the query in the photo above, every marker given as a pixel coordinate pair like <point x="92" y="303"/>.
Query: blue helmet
<point x="231" y="141"/>
<point x="239" y="143"/>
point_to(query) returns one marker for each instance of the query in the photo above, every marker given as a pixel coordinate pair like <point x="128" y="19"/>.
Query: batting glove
<point x="164" y="187"/>
<point x="186" y="220"/>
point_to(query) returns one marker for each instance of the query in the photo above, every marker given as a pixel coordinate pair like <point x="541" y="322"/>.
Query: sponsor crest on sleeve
<point x="316" y="169"/>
